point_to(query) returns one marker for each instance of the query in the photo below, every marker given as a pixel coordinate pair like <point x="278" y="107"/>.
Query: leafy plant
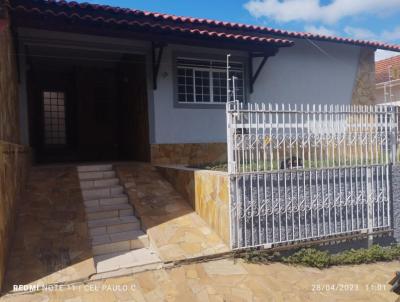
<point x="259" y="256"/>
<point x="310" y="257"/>
<point x="323" y="259"/>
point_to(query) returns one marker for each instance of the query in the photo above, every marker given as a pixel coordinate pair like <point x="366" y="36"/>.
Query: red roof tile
<point x="201" y="26"/>
<point x="382" y="68"/>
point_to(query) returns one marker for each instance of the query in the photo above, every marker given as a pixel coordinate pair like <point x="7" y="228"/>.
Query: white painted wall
<point x="304" y="73"/>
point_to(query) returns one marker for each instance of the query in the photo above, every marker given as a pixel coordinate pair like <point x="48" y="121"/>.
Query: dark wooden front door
<point x="97" y="97"/>
<point x="133" y="126"/>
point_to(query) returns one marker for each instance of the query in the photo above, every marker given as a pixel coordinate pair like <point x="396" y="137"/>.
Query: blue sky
<point x="361" y="19"/>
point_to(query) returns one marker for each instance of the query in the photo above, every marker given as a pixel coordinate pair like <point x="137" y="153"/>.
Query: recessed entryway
<point x="87" y="105"/>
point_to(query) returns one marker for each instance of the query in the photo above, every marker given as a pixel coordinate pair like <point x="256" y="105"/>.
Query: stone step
<point x="111" y="221"/>
<point x="102" y="193"/>
<point x="95" y="168"/>
<point x="99" y="183"/>
<point x="106" y="201"/>
<point x="119" y="242"/>
<point x="96" y="175"/>
<point x="109" y="211"/>
<point x="119" y="260"/>
<point x="114" y="228"/>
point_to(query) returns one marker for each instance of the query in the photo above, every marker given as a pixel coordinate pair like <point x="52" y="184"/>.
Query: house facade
<point x="102" y="83"/>
<point x="83" y="82"/>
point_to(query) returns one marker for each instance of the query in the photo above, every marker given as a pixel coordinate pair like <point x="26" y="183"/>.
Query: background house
<point x="388" y="81"/>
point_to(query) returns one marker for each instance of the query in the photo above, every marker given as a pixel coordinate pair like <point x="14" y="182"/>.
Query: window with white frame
<point x="204" y="81"/>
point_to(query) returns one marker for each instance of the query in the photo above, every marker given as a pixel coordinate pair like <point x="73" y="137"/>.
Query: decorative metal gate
<point x="301" y="172"/>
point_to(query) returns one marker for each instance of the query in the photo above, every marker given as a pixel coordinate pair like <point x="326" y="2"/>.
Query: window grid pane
<point x="185" y="85"/>
<point x="54" y="118"/>
<point x="202" y="84"/>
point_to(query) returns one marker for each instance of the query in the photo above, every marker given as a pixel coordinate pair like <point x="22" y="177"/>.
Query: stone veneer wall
<point x="364" y="86"/>
<point x="207" y="193"/>
<point x="188" y="154"/>
<point x="14" y="166"/>
<point x="9" y="120"/>
<point x="14" y="158"/>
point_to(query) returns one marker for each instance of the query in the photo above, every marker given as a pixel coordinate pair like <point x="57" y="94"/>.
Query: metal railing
<point x="300" y="172"/>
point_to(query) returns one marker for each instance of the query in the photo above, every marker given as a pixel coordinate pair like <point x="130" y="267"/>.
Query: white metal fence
<point x="300" y="172"/>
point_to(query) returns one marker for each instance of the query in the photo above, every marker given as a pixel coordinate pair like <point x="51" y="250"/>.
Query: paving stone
<point x="224" y="267"/>
<point x="138" y="257"/>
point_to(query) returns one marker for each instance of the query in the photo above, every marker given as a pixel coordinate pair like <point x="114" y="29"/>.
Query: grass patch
<point x="322" y="259"/>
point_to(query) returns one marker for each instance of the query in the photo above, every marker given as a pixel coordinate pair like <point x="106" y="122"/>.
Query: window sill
<point x="200" y="105"/>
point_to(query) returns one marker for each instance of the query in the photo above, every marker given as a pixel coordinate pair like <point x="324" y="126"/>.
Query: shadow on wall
<point x="14" y="165"/>
<point x="207" y="193"/>
<point x="51" y="241"/>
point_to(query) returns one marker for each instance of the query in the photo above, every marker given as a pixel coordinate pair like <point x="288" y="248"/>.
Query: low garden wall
<point x="207" y="193"/>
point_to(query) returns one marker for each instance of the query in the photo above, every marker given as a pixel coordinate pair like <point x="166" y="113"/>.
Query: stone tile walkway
<point x="51" y="243"/>
<point x="174" y="229"/>
<point x="51" y="240"/>
<point x="225" y="280"/>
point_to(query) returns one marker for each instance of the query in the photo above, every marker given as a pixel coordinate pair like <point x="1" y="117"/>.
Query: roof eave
<point x="148" y="32"/>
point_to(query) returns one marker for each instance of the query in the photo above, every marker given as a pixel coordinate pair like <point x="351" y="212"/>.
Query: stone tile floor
<point x="225" y="280"/>
<point x="50" y="243"/>
<point x="174" y="229"/>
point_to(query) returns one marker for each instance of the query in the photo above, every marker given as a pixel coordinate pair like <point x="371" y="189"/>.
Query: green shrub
<point x="322" y="259"/>
<point x="309" y="257"/>
<point x="372" y="254"/>
<point x="259" y="256"/>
